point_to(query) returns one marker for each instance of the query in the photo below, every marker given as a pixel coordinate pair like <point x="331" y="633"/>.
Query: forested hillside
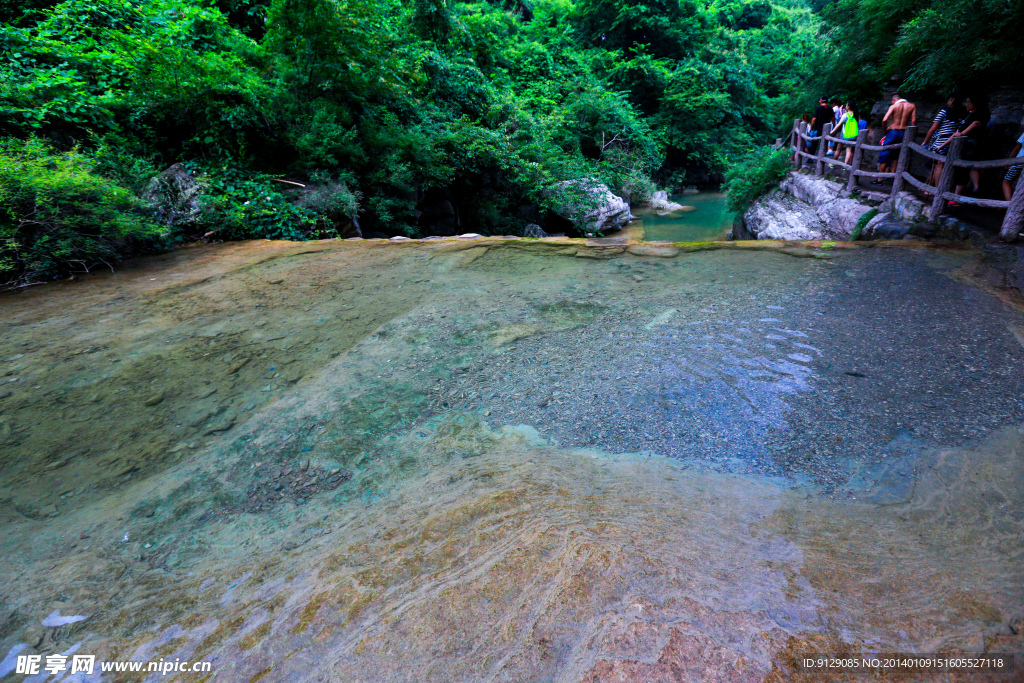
<point x="417" y="116"/>
<point x="925" y="47"/>
<point x="382" y="109"/>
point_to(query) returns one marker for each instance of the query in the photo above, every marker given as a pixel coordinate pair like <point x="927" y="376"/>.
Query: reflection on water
<point x="543" y="467"/>
<point x="709" y="222"/>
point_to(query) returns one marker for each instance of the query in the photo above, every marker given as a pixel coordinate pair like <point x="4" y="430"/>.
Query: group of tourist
<point x="964" y="116"/>
<point x="848" y="126"/>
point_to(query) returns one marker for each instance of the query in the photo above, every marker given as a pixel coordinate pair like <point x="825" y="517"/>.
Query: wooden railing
<point x="942" y="193"/>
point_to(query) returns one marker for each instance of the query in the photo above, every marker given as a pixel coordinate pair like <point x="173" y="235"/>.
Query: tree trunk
<point x="1014" y="219"/>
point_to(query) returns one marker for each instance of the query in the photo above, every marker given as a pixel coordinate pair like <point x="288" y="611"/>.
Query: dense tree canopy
<point x="396" y="103"/>
<point x="927" y="47"/>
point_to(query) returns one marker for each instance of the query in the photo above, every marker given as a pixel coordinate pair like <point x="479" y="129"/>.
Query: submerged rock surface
<point x="486" y="460"/>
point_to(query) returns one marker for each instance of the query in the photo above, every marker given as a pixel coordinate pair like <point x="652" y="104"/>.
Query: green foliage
<point x="57" y="216"/>
<point x="756" y="173"/>
<point x="432" y="20"/>
<point x="862" y="223"/>
<point x="933" y="46"/>
<point x="387" y="109"/>
<point x="175" y="74"/>
<point x="238" y="206"/>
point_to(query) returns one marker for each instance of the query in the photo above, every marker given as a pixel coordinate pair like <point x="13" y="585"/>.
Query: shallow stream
<point x="513" y="461"/>
<point x="709" y="220"/>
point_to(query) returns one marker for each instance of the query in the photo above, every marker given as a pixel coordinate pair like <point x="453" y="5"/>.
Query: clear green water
<point x="511" y="460"/>
<point x="710" y="221"/>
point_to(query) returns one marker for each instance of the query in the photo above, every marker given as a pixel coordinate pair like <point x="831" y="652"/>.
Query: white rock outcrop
<point x="660" y="204"/>
<point x="778" y="216"/>
<point x="807" y="208"/>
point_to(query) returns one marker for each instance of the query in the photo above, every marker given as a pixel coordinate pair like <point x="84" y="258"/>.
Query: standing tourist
<point x="1013" y="173"/>
<point x="901" y="114"/>
<point x="849" y="128"/>
<point x="822" y="115"/>
<point x="943" y="127"/>
<point x="837" y="113"/>
<point x="974" y="127"/>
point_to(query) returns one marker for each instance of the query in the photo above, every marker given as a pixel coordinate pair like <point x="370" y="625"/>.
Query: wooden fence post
<point x="819" y="166"/>
<point x="794" y="139"/>
<point x="903" y="162"/>
<point x="1013" y="221"/>
<point x="797" y="159"/>
<point x="858" y="154"/>
<point x="805" y="128"/>
<point x="946" y="179"/>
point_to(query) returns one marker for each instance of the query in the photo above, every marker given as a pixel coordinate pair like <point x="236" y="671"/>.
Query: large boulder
<point x="840" y="216"/>
<point x="601" y="211"/>
<point x="779" y="216"/>
<point x="810" y="189"/>
<point x="174" y="197"/>
<point x="909" y="208"/>
<point x="534" y="230"/>
<point x="808" y="207"/>
<point x="837" y="217"/>
<point x="885" y="226"/>
<point x="660" y="204"/>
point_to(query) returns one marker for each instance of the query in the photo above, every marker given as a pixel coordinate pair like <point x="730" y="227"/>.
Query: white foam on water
<point x="55" y="619"/>
<point x="10" y="662"/>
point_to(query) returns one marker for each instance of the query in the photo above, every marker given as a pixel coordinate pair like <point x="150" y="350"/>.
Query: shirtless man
<point x="901" y="114"/>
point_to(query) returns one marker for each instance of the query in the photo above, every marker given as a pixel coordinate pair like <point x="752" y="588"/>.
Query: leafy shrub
<point x="862" y="223"/>
<point x="58" y="216"/>
<point x="127" y="166"/>
<point x="240" y="206"/>
<point x="638" y="188"/>
<point x="753" y="175"/>
<point x="329" y="197"/>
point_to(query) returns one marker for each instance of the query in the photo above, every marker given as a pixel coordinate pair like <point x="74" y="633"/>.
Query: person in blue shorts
<point x="900" y="115"/>
<point x="1013" y="173"/>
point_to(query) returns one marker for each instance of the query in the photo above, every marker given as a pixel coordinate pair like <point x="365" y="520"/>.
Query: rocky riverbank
<point x="806" y="207"/>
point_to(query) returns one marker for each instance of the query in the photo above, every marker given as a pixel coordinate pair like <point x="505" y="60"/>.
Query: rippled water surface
<point x="511" y="461"/>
